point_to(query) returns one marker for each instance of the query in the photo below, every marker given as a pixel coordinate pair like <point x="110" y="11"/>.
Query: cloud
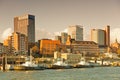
<point x="7" y="32"/>
<point x="59" y="32"/>
<point x="115" y="33"/>
<point x="43" y="34"/>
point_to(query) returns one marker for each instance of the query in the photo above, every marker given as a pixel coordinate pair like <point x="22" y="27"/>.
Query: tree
<point x="35" y="52"/>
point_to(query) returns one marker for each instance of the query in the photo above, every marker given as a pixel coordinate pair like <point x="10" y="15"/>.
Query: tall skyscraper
<point x="76" y="32"/>
<point x="26" y="25"/>
<point x="98" y="36"/>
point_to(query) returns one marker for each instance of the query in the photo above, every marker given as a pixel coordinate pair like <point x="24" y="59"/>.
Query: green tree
<point x="35" y="52"/>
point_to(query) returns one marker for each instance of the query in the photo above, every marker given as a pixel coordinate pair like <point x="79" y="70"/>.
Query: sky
<point x="54" y="16"/>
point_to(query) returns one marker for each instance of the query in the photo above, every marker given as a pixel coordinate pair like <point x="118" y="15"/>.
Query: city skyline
<point x="55" y="15"/>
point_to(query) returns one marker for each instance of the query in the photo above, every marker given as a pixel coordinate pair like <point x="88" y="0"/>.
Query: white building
<point x="76" y="32"/>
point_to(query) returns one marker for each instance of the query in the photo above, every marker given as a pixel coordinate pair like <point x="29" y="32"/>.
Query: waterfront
<point x="98" y="73"/>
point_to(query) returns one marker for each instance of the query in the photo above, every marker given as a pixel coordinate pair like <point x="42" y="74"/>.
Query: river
<point x="98" y="73"/>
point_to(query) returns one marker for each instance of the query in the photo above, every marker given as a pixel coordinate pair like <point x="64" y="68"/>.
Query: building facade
<point x="98" y="36"/>
<point x="58" y="38"/>
<point x="47" y="46"/>
<point x="25" y="25"/>
<point x="8" y="45"/>
<point x="64" y="37"/>
<point x="85" y="48"/>
<point x="68" y="57"/>
<point x="16" y="43"/>
<point x="19" y="43"/>
<point x="1" y="48"/>
<point x="107" y="34"/>
<point x="76" y="32"/>
<point x="101" y="37"/>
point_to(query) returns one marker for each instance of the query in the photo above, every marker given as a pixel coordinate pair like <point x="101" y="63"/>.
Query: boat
<point x="28" y="66"/>
<point x="95" y="64"/>
<point x="60" y="65"/>
<point x="83" y="64"/>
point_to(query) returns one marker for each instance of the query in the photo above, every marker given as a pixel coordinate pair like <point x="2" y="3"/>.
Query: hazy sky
<point x="53" y="16"/>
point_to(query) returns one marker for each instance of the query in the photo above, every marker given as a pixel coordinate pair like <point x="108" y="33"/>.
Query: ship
<point x="28" y="66"/>
<point x="83" y="64"/>
<point x="60" y="65"/>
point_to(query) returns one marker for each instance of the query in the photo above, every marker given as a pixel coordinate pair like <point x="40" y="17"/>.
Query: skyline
<point x="56" y="15"/>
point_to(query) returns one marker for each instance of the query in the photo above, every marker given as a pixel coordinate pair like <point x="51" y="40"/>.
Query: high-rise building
<point x="98" y="36"/>
<point x="26" y="25"/>
<point x="16" y="43"/>
<point x="76" y="32"/>
<point x="19" y="43"/>
<point x="107" y="34"/>
<point x="64" y="37"/>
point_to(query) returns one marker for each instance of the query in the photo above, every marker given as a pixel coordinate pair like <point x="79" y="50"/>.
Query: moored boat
<point x="28" y="66"/>
<point x="60" y="65"/>
<point x="83" y="64"/>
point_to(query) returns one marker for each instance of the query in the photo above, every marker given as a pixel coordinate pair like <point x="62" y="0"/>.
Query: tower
<point x="107" y="34"/>
<point x="76" y="32"/>
<point x="98" y="36"/>
<point x="64" y="37"/>
<point x="25" y="25"/>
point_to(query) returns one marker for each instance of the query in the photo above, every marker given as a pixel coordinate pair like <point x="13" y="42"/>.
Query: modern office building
<point x="76" y="32"/>
<point x="16" y="43"/>
<point x="19" y="43"/>
<point x="101" y="37"/>
<point x="64" y="37"/>
<point x="25" y="25"/>
<point x="98" y="36"/>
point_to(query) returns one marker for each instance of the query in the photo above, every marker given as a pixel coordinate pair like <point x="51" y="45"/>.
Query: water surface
<point x="99" y="73"/>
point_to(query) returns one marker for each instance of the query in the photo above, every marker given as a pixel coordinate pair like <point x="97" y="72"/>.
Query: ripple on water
<point x="106" y="73"/>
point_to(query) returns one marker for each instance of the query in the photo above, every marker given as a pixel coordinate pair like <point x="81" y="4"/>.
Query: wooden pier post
<point x="3" y="62"/>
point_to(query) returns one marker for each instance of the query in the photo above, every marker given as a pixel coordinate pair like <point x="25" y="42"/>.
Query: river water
<point x="98" y="73"/>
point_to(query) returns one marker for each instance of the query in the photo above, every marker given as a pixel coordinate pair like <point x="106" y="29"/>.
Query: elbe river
<point x="97" y="73"/>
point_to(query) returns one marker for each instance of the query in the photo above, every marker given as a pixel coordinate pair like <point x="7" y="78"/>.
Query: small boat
<point x="60" y="65"/>
<point x="83" y="64"/>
